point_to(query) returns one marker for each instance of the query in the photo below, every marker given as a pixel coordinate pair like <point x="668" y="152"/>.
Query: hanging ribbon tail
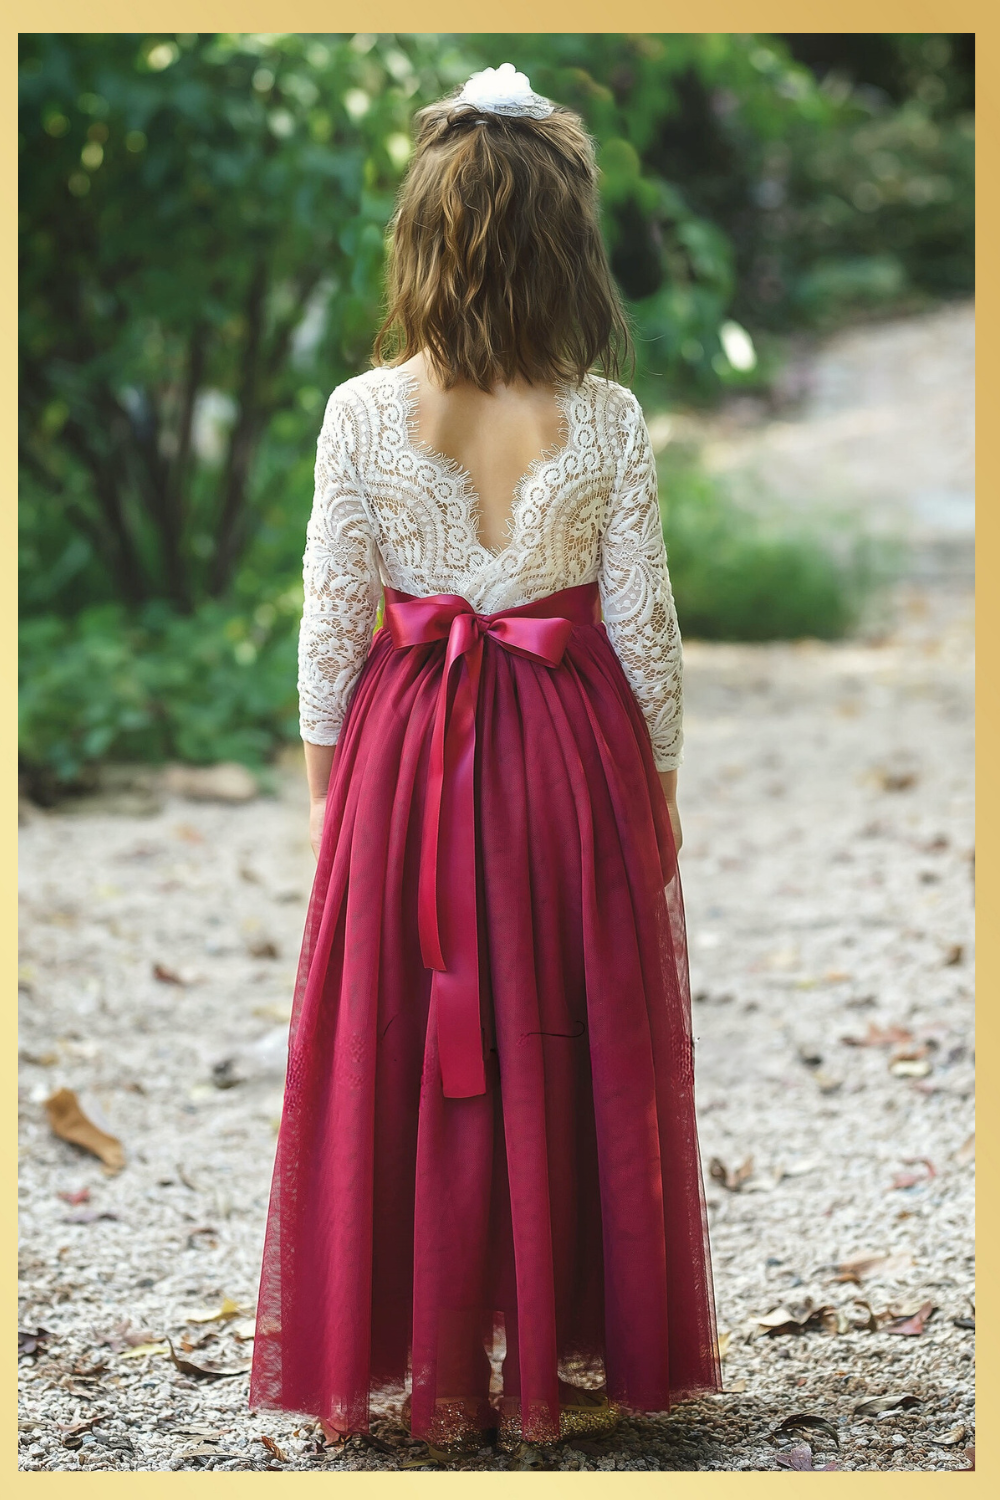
<point x="447" y="914"/>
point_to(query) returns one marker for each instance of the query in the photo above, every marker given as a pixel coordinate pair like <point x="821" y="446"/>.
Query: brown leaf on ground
<point x="952" y="1438"/>
<point x="802" y="1317"/>
<point x="69" y="1123"/>
<point x="913" y="1324"/>
<point x="731" y="1179"/>
<point x="954" y="955"/>
<point x="165" y="975"/>
<point x="806" y="1422"/>
<point x="879" y="1036"/>
<point x="263" y="948"/>
<point x="895" y="781"/>
<point x="874" y="1406"/>
<point x="199" y="1372"/>
<point x="875" y="1263"/>
<point x="229" y="1309"/>
<point x="273" y="1448"/>
<point x="31" y="1341"/>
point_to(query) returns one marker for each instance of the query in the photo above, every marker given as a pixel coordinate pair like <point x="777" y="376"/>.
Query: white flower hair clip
<point x="503" y="91"/>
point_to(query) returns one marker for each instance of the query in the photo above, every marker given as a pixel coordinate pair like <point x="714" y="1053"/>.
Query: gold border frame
<point x="524" y="15"/>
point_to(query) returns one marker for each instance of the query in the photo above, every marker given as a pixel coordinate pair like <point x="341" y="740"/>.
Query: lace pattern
<point x="386" y="509"/>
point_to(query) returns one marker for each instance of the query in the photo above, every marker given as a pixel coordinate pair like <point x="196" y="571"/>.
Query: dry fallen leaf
<point x="263" y="948"/>
<point x="893" y="780"/>
<point x="875" y="1263"/>
<point x="874" y="1406"/>
<point x="950" y="1439"/>
<point x="38" y="1059"/>
<point x="200" y="1372"/>
<point x="141" y="1350"/>
<point x="733" y="1180"/>
<point x="724" y="1342"/>
<point x="879" y="1036"/>
<point x="914" y="1323"/>
<point x="229" y="1309"/>
<point x="806" y="1422"/>
<point x="69" y="1123"/>
<point x="954" y="955"/>
<point x="802" y="1317"/>
<point x="31" y="1341"/>
<point x="273" y="1448"/>
<point x="204" y="1448"/>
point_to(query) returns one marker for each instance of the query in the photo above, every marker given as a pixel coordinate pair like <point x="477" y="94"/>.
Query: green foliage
<point x="215" y="685"/>
<point x="737" y="577"/>
<point x="202" y="223"/>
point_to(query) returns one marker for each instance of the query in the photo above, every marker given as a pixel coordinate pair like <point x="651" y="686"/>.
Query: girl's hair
<point x="497" y="268"/>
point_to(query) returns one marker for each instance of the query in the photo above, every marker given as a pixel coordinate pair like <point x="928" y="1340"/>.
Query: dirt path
<point x="827" y="865"/>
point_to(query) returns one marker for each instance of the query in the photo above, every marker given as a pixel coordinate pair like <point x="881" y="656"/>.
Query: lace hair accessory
<point x="503" y="91"/>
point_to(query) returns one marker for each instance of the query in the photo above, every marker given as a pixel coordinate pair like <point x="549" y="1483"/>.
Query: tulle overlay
<point x="476" y="1251"/>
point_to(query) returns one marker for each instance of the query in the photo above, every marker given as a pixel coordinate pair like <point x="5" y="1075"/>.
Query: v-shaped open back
<point x="469" y="491"/>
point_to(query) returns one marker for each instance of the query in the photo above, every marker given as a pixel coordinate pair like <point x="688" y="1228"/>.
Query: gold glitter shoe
<point x="586" y="1413"/>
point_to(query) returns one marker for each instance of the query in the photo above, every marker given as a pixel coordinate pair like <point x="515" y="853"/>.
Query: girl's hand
<point x="319" y="762"/>
<point x="668" y="781"/>
<point x="317" y="813"/>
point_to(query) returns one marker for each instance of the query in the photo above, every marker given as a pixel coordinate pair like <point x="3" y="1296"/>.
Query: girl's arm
<point x="319" y="759"/>
<point x="341" y="591"/>
<point x="638" y="603"/>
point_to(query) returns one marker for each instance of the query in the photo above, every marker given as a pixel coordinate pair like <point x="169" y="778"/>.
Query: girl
<point x="487" y="1191"/>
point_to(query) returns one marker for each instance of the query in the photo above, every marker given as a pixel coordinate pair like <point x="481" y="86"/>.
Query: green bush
<point x="215" y="685"/>
<point x="221" y="684"/>
<point x="738" y="576"/>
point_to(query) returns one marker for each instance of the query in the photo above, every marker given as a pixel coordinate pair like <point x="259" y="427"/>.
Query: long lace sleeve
<point x="635" y="589"/>
<point x="340" y="579"/>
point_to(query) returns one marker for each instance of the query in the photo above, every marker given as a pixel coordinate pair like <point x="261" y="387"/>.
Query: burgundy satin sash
<point x="446" y="898"/>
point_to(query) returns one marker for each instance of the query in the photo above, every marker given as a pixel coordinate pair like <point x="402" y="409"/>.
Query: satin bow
<point x="447" y="913"/>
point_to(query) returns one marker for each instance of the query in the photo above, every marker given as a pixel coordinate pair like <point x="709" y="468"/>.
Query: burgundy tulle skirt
<point x="473" y="1252"/>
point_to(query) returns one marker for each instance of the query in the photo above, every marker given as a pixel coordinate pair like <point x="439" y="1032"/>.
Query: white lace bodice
<point x="386" y="509"/>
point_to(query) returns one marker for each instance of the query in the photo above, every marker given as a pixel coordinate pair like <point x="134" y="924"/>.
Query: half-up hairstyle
<point x="497" y="268"/>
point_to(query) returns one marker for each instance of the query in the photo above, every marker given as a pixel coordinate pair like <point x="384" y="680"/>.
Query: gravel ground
<point x="827" y="797"/>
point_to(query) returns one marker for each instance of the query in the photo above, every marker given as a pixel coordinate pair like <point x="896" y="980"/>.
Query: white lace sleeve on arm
<point x="340" y="579"/>
<point x="635" y="592"/>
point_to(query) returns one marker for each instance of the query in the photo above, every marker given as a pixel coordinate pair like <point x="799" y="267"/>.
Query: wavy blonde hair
<point x="497" y="268"/>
